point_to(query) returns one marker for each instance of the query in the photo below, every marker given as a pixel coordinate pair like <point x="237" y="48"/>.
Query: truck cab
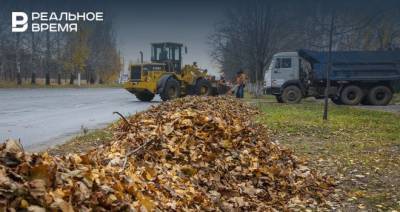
<point x="287" y="69"/>
<point x="356" y="77"/>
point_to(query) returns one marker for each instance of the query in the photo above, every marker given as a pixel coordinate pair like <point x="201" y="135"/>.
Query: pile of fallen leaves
<point x="195" y="153"/>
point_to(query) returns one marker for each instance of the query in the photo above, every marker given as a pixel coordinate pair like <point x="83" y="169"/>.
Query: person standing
<point x="241" y="82"/>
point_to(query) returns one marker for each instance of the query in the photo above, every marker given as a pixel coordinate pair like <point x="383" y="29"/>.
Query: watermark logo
<point x="19" y="22"/>
<point x="52" y="21"/>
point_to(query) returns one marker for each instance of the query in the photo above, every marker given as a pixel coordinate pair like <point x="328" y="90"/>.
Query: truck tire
<point x="278" y="98"/>
<point x="171" y="90"/>
<point x="351" y="95"/>
<point x="203" y="88"/>
<point x="144" y="96"/>
<point x="380" y="95"/>
<point x="336" y="100"/>
<point x="291" y="94"/>
<point x="365" y="101"/>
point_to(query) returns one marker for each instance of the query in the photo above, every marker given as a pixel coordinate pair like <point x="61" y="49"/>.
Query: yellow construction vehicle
<point x="165" y="75"/>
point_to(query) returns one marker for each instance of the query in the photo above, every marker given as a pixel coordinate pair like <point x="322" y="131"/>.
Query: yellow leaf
<point x="24" y="204"/>
<point x="145" y="201"/>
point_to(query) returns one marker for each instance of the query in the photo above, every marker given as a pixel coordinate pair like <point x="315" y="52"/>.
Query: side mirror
<point x="186" y="51"/>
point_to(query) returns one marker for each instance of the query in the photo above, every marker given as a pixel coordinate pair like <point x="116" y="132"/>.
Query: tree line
<point x="59" y="57"/>
<point x="252" y="32"/>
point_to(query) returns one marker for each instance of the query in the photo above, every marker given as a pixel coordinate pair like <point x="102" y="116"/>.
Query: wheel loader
<point x="165" y="76"/>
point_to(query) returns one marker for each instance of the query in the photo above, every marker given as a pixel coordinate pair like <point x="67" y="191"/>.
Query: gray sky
<point x="187" y="22"/>
<point x="139" y="23"/>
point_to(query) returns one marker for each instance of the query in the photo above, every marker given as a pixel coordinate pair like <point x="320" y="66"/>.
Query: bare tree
<point x="252" y="32"/>
<point x="48" y="57"/>
<point x="33" y="61"/>
<point x="17" y="57"/>
<point x="249" y="36"/>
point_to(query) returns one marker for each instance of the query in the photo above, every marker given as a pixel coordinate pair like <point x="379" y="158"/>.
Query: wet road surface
<point x="44" y="117"/>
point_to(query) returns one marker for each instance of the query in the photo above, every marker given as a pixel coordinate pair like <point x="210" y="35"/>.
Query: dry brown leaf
<point x="201" y="154"/>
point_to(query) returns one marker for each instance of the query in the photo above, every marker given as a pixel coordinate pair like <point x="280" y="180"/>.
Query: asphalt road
<point x="44" y="117"/>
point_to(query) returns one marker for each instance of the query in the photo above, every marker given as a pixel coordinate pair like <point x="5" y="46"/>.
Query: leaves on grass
<point x="195" y="153"/>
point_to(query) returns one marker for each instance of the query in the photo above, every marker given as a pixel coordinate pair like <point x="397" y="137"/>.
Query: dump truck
<point x="165" y="76"/>
<point x="356" y="77"/>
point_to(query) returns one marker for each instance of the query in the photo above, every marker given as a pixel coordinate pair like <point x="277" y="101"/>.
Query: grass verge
<point x="396" y="98"/>
<point x="84" y="142"/>
<point x="360" y="147"/>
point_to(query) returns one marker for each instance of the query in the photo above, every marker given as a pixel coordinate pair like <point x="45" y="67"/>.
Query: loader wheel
<point x="203" y="88"/>
<point x="291" y="94"/>
<point x="351" y="95"/>
<point x="171" y="90"/>
<point x="380" y="95"/>
<point x="145" y="96"/>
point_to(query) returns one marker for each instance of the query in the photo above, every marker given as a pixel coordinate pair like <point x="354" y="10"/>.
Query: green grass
<point x="360" y="147"/>
<point x="396" y="98"/>
<point x="84" y="142"/>
<point x="306" y="118"/>
<point x="264" y="98"/>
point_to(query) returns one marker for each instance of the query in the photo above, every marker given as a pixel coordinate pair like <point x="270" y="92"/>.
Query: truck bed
<point x="355" y="65"/>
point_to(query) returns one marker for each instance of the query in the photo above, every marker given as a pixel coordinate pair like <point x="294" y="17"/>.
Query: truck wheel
<point x="351" y="95"/>
<point x="380" y="95"/>
<point x="291" y="94"/>
<point x="278" y="99"/>
<point x="203" y="88"/>
<point x="171" y="90"/>
<point x="145" y="96"/>
<point x="365" y="101"/>
<point x="336" y="100"/>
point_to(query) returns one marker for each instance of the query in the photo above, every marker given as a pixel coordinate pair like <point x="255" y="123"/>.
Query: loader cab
<point x="168" y="53"/>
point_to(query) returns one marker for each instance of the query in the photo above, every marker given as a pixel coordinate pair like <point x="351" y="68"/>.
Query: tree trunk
<point x="48" y="58"/>
<point x="71" y="79"/>
<point x="79" y="78"/>
<point x="87" y="75"/>
<point x="92" y="80"/>
<point x="58" y="58"/>
<point x="33" y="78"/>
<point x="328" y="70"/>
<point x="17" y="59"/>
<point x="47" y="78"/>
<point x="33" y="54"/>
<point x="2" y="58"/>
<point x="19" y="80"/>
<point x="59" y="78"/>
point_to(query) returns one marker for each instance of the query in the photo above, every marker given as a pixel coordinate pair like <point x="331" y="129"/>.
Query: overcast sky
<point x="189" y="22"/>
<point x="139" y="22"/>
